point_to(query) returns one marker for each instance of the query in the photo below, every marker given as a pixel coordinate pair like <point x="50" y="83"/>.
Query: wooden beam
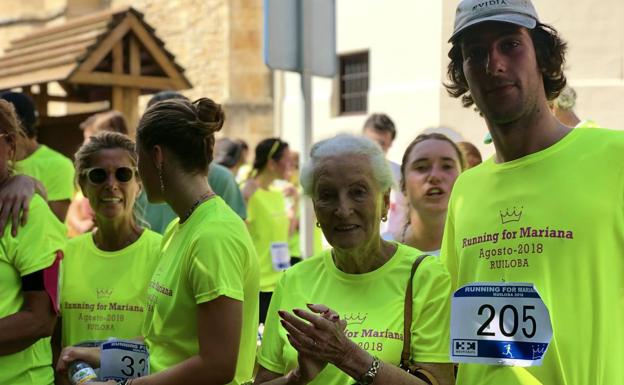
<point x="100" y="27"/>
<point x="156" y="51"/>
<point x="41" y="100"/>
<point x="46" y="65"/>
<point x="6" y="61"/>
<point x="117" y="101"/>
<point x="42" y="75"/>
<point x="89" y="19"/>
<point x="65" y="99"/>
<point x="131" y="109"/>
<point x="123" y="80"/>
<point x="87" y="38"/>
<point x="118" y="59"/>
<point x="134" y="56"/>
<point x="105" y="46"/>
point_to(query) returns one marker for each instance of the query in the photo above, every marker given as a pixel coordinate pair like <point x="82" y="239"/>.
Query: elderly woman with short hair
<point x="354" y="294"/>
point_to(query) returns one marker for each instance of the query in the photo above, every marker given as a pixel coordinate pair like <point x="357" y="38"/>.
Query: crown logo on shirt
<point x="511" y="216"/>
<point x="103" y="293"/>
<point x="355" y="318"/>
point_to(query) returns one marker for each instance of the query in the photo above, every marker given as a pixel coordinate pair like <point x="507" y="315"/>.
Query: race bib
<point x="499" y="324"/>
<point x="280" y="256"/>
<point x="122" y="359"/>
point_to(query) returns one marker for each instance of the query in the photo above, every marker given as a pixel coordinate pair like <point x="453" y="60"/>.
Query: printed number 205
<point x="527" y="320"/>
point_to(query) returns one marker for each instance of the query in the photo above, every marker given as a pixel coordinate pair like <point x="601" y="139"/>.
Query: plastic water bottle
<point x="80" y="373"/>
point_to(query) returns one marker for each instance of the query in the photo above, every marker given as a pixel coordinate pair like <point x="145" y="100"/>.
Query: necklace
<point x="204" y="197"/>
<point x="404" y="232"/>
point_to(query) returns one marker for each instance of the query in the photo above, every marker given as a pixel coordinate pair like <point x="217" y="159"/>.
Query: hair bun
<point x="210" y="113"/>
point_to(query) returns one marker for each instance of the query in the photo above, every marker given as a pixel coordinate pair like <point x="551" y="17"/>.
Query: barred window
<point x="354" y="83"/>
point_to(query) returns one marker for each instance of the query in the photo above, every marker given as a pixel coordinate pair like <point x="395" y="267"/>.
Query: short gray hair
<point x="345" y="144"/>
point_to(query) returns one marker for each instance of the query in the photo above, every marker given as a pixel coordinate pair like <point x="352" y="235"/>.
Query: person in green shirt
<point x="268" y="220"/>
<point x="339" y="316"/>
<point x="202" y="301"/>
<point x="28" y="279"/>
<point x="546" y="209"/>
<point x="53" y="169"/>
<point x="111" y="304"/>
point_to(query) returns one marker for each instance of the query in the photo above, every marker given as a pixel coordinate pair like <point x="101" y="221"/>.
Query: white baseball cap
<point x="472" y="12"/>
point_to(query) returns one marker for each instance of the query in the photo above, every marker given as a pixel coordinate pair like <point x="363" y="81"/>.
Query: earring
<point x="162" y="181"/>
<point x="384" y="218"/>
<point x="318" y="225"/>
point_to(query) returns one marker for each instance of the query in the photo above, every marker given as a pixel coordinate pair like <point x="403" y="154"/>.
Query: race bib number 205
<point x="499" y="324"/>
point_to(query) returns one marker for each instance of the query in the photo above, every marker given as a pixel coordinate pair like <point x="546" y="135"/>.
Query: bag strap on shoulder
<point x="407" y="314"/>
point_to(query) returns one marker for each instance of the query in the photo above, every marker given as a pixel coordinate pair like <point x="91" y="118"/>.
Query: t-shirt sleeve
<point x="431" y="312"/>
<point x="448" y="252"/>
<point x="61" y="186"/>
<point x="36" y="244"/>
<point x="216" y="266"/>
<point x="270" y="355"/>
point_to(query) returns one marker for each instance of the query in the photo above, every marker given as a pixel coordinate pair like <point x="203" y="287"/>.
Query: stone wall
<point x="218" y="42"/>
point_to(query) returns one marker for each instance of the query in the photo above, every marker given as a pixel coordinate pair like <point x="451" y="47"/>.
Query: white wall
<point x="595" y="62"/>
<point x="404" y="71"/>
<point x="407" y="43"/>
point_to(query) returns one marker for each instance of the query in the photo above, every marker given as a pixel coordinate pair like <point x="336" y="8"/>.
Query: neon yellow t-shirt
<point x="554" y="218"/>
<point x="267" y="222"/>
<point x="32" y="250"/>
<point x="208" y="256"/>
<point x="96" y="306"/>
<point x="52" y="169"/>
<point x="371" y="303"/>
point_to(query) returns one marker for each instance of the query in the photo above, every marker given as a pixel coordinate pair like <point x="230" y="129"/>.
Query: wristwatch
<point x="371" y="373"/>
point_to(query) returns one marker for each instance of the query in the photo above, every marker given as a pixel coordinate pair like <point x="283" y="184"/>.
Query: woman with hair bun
<point x="202" y="310"/>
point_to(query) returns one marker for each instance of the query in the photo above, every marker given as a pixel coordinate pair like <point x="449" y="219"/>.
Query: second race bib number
<point x="122" y="359"/>
<point x="280" y="256"/>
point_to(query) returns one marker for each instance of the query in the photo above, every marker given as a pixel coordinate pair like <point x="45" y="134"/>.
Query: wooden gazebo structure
<point x="110" y="56"/>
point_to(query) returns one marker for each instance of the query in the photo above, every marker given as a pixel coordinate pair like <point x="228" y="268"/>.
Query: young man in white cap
<point x="547" y="209"/>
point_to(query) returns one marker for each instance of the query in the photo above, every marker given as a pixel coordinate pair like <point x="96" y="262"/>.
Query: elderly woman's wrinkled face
<point x="348" y="201"/>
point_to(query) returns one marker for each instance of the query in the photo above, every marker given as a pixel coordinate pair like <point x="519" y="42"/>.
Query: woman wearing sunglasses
<point x="107" y="270"/>
<point x="202" y="311"/>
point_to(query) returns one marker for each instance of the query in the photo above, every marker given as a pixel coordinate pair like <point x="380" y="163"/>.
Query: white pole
<point x="306" y="219"/>
<point x="306" y="229"/>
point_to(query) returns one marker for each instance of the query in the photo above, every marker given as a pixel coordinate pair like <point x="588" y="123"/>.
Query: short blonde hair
<point x="105" y="140"/>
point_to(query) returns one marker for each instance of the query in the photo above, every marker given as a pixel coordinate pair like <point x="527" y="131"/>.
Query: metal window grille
<point x="354" y="83"/>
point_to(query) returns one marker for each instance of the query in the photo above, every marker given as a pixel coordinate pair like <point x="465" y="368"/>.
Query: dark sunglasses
<point x="98" y="175"/>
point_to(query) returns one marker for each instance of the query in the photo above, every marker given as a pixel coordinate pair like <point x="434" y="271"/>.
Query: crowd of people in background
<point x="178" y="241"/>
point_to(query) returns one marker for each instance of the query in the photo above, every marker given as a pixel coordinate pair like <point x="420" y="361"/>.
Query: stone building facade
<point x="218" y="42"/>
